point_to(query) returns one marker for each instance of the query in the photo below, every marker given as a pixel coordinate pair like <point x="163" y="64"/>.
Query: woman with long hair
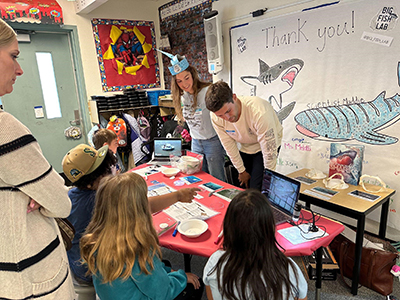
<point x="250" y="265"/>
<point x="188" y="95"/>
<point x="33" y="259"/>
<point x="120" y="246"/>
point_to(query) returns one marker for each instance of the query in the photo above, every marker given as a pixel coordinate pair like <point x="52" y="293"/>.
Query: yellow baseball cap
<point x="82" y="160"/>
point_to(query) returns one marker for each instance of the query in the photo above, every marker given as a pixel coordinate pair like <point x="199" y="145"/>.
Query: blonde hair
<point x="177" y="92"/>
<point x="103" y="135"/>
<point x="7" y="34"/>
<point x="121" y="230"/>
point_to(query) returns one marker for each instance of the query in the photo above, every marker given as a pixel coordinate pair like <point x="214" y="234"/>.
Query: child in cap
<point x="85" y="166"/>
<point x="121" y="248"/>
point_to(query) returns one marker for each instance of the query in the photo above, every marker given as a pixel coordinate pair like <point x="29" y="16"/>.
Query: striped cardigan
<point x="33" y="261"/>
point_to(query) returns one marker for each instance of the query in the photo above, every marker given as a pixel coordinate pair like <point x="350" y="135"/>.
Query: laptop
<point x="282" y="192"/>
<point x="163" y="148"/>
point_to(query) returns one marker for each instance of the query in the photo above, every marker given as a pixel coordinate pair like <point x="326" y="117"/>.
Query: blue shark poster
<point x="332" y="75"/>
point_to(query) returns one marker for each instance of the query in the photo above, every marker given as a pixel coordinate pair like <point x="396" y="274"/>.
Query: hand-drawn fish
<point x="355" y="121"/>
<point x="286" y="71"/>
<point x="359" y="121"/>
<point x="273" y="81"/>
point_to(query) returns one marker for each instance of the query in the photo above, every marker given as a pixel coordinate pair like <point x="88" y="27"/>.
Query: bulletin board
<point x="332" y="75"/>
<point x="184" y="28"/>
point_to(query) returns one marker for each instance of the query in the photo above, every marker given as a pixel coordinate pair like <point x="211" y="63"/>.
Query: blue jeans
<point x="214" y="156"/>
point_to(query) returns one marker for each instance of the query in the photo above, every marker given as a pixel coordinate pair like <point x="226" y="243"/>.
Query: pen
<point x="176" y="229"/>
<point x="219" y="237"/>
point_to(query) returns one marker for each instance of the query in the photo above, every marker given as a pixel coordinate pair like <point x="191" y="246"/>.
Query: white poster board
<point x="331" y="74"/>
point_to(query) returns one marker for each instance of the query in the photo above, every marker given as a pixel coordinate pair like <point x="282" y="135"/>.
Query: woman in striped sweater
<point x="33" y="261"/>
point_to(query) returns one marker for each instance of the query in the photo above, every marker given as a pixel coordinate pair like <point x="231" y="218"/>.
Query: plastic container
<point x="153" y="95"/>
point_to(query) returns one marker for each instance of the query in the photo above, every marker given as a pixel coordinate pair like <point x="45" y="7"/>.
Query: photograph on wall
<point x="125" y="52"/>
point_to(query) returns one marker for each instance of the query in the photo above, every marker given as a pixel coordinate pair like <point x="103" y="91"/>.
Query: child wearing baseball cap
<point x="85" y="166"/>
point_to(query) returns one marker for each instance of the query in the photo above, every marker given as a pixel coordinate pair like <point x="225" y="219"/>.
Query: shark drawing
<point x="274" y="81"/>
<point x="360" y="121"/>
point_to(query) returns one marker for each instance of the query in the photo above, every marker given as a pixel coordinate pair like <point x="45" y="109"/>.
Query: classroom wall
<point x="232" y="12"/>
<point x="113" y="9"/>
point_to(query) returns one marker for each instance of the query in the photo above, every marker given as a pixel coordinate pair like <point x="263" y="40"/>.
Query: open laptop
<point x="163" y="148"/>
<point x="282" y="192"/>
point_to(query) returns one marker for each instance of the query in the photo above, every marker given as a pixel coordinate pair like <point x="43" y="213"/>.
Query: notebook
<point x="163" y="148"/>
<point x="282" y="192"/>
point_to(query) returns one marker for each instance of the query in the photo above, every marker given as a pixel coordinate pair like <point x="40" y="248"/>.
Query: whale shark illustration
<point x="360" y="121"/>
<point x="273" y="81"/>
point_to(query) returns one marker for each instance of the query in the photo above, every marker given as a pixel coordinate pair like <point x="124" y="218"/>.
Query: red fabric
<point x="204" y="245"/>
<point x="48" y="11"/>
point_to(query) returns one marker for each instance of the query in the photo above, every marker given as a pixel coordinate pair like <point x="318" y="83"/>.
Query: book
<point x="347" y="160"/>
<point x="227" y="194"/>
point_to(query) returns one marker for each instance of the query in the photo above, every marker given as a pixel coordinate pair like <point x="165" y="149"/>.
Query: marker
<point x="176" y="229"/>
<point x="219" y="237"/>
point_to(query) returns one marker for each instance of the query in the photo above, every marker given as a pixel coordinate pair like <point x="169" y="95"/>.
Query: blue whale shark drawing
<point x="360" y="121"/>
<point x="274" y="81"/>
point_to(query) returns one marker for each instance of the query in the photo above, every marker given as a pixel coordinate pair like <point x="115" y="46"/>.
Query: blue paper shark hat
<point x="178" y="63"/>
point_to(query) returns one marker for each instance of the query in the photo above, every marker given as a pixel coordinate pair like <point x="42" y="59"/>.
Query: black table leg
<point x="384" y="218"/>
<point x="357" y="256"/>
<point x="318" y="282"/>
<point x="187" y="258"/>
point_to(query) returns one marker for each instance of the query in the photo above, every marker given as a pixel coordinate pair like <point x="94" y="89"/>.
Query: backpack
<point x="119" y="127"/>
<point x="144" y="126"/>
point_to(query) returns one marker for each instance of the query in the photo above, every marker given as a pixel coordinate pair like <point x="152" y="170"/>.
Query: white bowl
<point x="189" y="164"/>
<point x="169" y="172"/>
<point x="192" y="228"/>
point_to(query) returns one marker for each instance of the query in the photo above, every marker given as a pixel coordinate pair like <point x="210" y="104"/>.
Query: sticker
<point x="179" y="183"/>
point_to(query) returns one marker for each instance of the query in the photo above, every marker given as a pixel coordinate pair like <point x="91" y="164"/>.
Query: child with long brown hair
<point x="251" y="266"/>
<point x="188" y="95"/>
<point x="120" y="246"/>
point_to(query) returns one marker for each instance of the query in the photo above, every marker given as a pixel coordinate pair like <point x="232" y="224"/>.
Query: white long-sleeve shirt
<point x="258" y="129"/>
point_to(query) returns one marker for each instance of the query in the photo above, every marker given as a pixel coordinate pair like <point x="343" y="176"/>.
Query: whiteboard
<point x="331" y="74"/>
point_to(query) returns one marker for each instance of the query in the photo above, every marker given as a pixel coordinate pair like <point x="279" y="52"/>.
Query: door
<point x="27" y="94"/>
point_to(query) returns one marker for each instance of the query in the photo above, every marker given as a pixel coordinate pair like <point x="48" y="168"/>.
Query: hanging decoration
<point x="125" y="51"/>
<point x="46" y="11"/>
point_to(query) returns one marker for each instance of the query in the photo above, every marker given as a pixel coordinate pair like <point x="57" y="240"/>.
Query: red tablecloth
<point x="204" y="245"/>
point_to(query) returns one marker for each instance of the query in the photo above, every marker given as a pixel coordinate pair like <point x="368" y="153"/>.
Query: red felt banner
<point x="47" y="11"/>
<point x="126" y="54"/>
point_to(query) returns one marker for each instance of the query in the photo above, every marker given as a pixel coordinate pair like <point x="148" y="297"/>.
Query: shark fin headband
<point x="178" y="63"/>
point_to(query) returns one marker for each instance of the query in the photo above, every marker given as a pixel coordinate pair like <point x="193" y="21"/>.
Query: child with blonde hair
<point x="120" y="246"/>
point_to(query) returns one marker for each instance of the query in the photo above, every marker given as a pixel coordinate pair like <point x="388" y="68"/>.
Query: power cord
<point x="312" y="227"/>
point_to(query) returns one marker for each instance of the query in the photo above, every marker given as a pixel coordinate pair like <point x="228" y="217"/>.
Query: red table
<point x="205" y="246"/>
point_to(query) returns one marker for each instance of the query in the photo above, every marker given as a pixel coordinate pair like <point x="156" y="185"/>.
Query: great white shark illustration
<point x="360" y="121"/>
<point x="274" y="81"/>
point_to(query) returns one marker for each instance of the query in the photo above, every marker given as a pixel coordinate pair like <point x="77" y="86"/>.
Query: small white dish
<point x="192" y="228"/>
<point x="170" y="172"/>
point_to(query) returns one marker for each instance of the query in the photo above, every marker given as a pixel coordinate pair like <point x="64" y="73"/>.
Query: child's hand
<point x="193" y="279"/>
<point x="187" y="194"/>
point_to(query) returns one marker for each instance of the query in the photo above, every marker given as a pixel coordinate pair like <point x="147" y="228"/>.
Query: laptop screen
<point x="166" y="147"/>
<point x="282" y="191"/>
